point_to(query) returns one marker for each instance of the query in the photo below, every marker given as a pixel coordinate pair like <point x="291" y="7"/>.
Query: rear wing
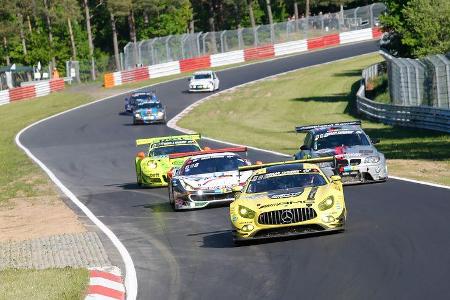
<point x="148" y="141"/>
<point x="310" y="127"/>
<point x="195" y="153"/>
<point x="306" y="160"/>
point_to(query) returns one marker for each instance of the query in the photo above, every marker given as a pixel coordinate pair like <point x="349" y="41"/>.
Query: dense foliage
<point x="54" y="31"/>
<point x="417" y="28"/>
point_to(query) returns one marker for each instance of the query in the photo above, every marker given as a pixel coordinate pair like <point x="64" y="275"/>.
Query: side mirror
<point x="258" y="162"/>
<point x="206" y="149"/>
<point x="335" y="178"/>
<point x="189" y="79"/>
<point x="237" y="190"/>
<point x="304" y="147"/>
<point x="375" y="140"/>
<point x="140" y="155"/>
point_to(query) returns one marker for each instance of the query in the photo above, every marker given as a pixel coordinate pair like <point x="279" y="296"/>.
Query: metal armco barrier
<point x="425" y="117"/>
<point x="239" y="56"/>
<point x="39" y="89"/>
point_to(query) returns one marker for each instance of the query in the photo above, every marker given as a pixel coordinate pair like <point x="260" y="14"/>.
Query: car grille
<point x="351" y="162"/>
<point x="287" y="216"/>
<point x="212" y="197"/>
<point x="286" y="231"/>
<point x="355" y="162"/>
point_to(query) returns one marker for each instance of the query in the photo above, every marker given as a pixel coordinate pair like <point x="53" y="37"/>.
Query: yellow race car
<point x="285" y="199"/>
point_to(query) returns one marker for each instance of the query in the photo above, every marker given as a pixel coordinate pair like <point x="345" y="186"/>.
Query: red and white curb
<point x="105" y="284"/>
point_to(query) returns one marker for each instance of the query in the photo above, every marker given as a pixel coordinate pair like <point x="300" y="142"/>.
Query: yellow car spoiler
<point x="159" y="139"/>
<point x="306" y="160"/>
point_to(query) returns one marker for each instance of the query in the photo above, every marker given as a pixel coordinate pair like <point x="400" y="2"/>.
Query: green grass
<point x="379" y="89"/>
<point x="48" y="284"/>
<point x="264" y="114"/>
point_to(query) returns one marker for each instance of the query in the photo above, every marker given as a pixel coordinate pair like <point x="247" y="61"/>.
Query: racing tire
<point x="171" y="200"/>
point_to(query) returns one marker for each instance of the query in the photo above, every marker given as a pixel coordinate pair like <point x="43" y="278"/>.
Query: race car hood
<point x="201" y="81"/>
<point x="292" y="198"/>
<point x="214" y="181"/>
<point x="347" y="152"/>
<point x="163" y="164"/>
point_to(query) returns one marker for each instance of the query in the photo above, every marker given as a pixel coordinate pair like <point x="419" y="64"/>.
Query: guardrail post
<point x="222" y="46"/>
<point x="168" y="48"/>
<point x="240" y="39"/>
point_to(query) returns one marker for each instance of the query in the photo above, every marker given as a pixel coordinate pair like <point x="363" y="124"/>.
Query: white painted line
<point x="107" y="283"/>
<point x="98" y="297"/>
<point x="421" y="182"/>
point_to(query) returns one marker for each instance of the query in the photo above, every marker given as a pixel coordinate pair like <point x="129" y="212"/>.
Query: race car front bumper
<point x="200" y="88"/>
<point x="251" y="229"/>
<point x="359" y="173"/>
<point x="202" y="198"/>
<point x="149" y="119"/>
<point x="154" y="180"/>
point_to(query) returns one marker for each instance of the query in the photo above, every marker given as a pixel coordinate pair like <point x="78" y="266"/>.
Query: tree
<point x="417" y="28"/>
<point x="87" y="16"/>
<point x="67" y="12"/>
<point x="117" y="8"/>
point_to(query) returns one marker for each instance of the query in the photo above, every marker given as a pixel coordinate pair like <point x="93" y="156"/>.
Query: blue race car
<point x="149" y="112"/>
<point x="137" y="98"/>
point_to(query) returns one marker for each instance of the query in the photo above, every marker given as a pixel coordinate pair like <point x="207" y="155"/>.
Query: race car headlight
<point x="246" y="212"/>
<point x="372" y="159"/>
<point x="188" y="187"/>
<point x="327" y="203"/>
<point x="160" y="113"/>
<point x="137" y="116"/>
<point x="152" y="165"/>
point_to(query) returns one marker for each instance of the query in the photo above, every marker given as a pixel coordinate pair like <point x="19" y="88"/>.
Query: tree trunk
<point x="115" y="43"/>
<point x="72" y="40"/>
<point x="29" y="24"/>
<point x="251" y="14"/>
<point x="50" y="35"/>
<point x="22" y="35"/>
<point x="89" y="33"/>
<point x="212" y="27"/>
<point x="269" y="12"/>
<point x="132" y="26"/>
<point x="5" y="44"/>
<point x="307" y="9"/>
<point x="296" y="15"/>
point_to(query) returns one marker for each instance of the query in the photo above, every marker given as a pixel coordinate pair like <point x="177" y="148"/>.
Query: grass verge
<point x="265" y="113"/>
<point x="67" y="283"/>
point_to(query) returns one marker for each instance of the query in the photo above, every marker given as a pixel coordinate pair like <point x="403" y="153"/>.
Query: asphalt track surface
<point x="396" y="246"/>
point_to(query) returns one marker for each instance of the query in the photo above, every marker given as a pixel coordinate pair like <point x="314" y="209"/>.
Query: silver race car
<point x="206" y="178"/>
<point x="357" y="159"/>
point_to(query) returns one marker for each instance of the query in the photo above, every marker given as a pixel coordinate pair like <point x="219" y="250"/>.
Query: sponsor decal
<point x="234" y="218"/>
<point x="285" y="195"/>
<point x="286" y="203"/>
<point x="312" y="193"/>
<point x="336" y="132"/>
<point x="283" y="173"/>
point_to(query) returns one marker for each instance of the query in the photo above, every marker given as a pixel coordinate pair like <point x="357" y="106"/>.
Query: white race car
<point x="204" y="81"/>
<point x="207" y="177"/>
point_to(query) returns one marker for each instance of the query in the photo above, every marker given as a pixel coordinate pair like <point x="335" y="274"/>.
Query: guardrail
<point x="239" y="56"/>
<point x="38" y="89"/>
<point x="425" y="117"/>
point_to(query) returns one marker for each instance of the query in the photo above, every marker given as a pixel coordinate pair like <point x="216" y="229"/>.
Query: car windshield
<point x="141" y="98"/>
<point x="149" y="105"/>
<point x="166" y="150"/>
<point x="285" y="181"/>
<point x="202" y="76"/>
<point x="213" y="164"/>
<point x="336" y="140"/>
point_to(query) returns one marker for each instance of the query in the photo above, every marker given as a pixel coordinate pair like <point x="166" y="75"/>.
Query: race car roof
<point x="309" y="161"/>
<point x="155" y="140"/>
<point x="349" y="125"/>
<point x="223" y="151"/>
<point x="202" y="72"/>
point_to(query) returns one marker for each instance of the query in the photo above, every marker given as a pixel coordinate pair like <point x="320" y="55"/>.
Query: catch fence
<point x="178" y="47"/>
<point x="416" y="116"/>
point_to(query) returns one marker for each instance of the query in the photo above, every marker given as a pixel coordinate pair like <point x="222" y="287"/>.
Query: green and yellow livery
<point x="152" y="169"/>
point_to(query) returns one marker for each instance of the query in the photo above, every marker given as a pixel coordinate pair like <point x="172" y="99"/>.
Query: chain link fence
<point x="415" y="116"/>
<point x="176" y="47"/>
<point x="415" y="82"/>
